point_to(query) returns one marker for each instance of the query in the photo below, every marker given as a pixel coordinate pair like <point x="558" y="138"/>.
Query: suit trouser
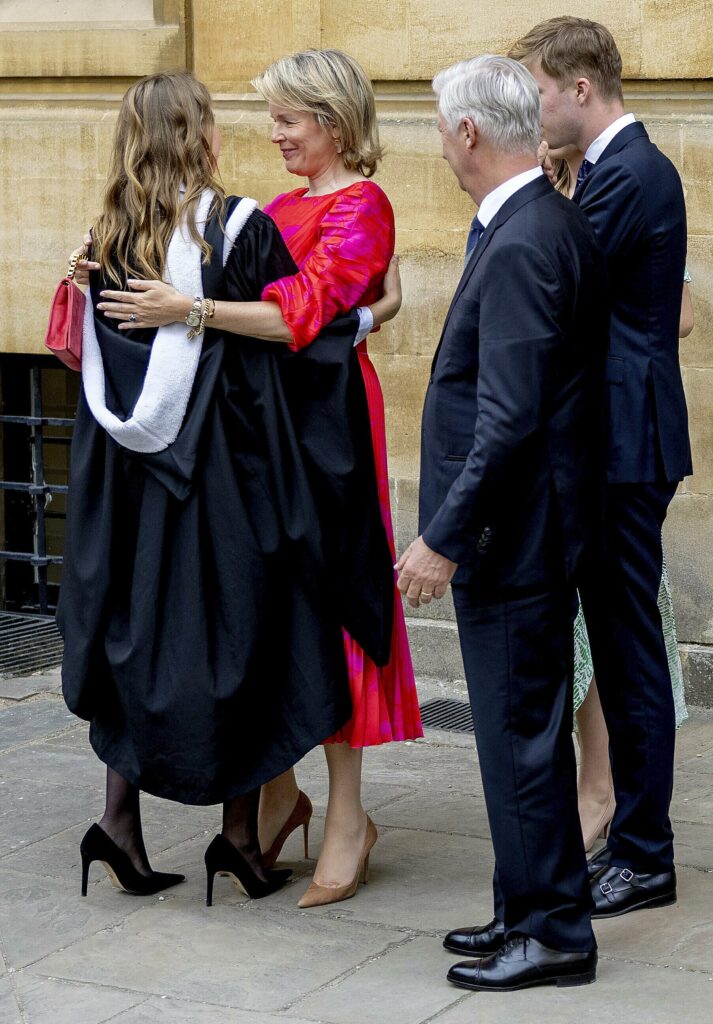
<point x="518" y="657"/>
<point x="619" y="592"/>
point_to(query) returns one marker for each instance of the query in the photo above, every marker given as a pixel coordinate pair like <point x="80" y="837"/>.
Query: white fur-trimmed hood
<point x="161" y="406"/>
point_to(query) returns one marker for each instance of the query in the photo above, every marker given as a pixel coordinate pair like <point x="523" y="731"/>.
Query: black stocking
<point x="240" y="829"/>
<point x="122" y="819"/>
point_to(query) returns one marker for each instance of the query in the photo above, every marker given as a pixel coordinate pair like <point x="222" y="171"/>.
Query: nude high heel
<point x="602" y="825"/>
<point x="321" y="895"/>
<point x="301" y="815"/>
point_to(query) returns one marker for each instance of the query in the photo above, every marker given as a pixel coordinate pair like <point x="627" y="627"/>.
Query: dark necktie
<point x="474" y="236"/>
<point x="584" y="169"/>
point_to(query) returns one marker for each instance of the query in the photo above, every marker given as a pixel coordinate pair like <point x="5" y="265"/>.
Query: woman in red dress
<point x="339" y="229"/>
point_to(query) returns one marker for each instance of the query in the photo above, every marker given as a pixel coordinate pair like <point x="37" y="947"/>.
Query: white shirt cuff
<point x="366" y="323"/>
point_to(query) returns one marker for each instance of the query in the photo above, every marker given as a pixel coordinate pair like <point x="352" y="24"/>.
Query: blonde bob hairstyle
<point x="160" y="164"/>
<point x="334" y="88"/>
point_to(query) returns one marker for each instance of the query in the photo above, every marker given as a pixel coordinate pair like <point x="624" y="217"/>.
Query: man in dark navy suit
<point x="508" y="490"/>
<point x="632" y="196"/>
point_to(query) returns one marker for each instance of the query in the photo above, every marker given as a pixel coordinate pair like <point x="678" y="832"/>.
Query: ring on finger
<point x="425" y="593"/>
<point x="133" y="318"/>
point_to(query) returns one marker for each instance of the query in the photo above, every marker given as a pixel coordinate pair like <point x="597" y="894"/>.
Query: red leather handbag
<point x="64" y="331"/>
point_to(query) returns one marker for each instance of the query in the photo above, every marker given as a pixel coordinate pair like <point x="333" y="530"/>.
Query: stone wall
<point x="60" y="82"/>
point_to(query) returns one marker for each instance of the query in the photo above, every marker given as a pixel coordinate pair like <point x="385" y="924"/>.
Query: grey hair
<point x="499" y="95"/>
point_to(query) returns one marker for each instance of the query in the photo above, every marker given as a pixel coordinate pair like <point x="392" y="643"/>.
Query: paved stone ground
<point x="376" y="959"/>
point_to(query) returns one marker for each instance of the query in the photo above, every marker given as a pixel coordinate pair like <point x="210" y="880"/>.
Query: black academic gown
<point x="205" y="587"/>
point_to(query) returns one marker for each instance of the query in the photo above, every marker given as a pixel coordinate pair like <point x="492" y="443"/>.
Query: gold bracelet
<point x="197" y="331"/>
<point x="204" y="316"/>
<point x="211" y="308"/>
<point x="200" y="326"/>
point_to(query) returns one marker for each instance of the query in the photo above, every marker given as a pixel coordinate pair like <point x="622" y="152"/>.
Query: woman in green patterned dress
<point x="595" y="788"/>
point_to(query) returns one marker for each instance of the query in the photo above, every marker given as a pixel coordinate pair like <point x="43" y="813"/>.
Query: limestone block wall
<point x="62" y="74"/>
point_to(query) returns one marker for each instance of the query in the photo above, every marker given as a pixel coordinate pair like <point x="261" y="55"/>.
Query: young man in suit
<point x="632" y="195"/>
<point x="508" y="484"/>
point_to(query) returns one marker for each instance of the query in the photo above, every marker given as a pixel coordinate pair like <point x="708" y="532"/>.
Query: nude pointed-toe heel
<point x="602" y="825"/>
<point x="321" y="895"/>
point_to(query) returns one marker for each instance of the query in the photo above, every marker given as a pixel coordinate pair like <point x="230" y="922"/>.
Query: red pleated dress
<point x="342" y="243"/>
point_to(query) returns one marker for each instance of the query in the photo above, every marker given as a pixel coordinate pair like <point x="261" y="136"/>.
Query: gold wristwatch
<point x="194" y="317"/>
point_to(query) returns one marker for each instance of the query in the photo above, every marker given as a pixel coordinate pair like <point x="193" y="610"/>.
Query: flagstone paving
<point x="376" y="959"/>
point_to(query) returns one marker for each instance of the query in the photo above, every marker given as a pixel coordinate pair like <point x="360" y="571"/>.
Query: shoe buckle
<point x="626" y="875"/>
<point x="605" y="888"/>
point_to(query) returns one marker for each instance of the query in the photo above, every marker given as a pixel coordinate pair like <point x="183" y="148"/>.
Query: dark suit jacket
<point x="510" y="424"/>
<point x="634" y="201"/>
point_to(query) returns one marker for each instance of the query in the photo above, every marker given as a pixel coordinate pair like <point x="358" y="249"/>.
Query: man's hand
<point x="423" y="574"/>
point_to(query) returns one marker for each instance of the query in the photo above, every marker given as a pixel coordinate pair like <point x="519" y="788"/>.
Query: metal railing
<point x="28" y="644"/>
<point x="27" y="521"/>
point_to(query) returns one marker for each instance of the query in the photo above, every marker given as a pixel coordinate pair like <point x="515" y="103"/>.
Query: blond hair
<point x="161" y="147"/>
<point x="335" y="89"/>
<point x="569" y="48"/>
<point x="562" y="177"/>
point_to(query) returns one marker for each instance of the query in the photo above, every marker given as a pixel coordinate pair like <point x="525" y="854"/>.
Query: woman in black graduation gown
<point x="220" y="496"/>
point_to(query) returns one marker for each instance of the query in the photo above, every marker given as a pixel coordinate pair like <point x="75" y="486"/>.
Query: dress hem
<point x="163" y="793"/>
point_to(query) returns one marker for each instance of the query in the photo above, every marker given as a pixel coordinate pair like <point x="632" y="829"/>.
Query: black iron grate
<point x="451" y="715"/>
<point x="28" y="643"/>
<point x="37" y="402"/>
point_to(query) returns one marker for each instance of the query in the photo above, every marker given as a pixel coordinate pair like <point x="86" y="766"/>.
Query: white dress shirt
<point x="500" y="195"/>
<point x="601" y="142"/>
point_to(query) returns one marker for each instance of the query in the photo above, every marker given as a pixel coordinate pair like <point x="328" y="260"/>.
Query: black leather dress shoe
<point x="598" y="863"/>
<point x="480" y="941"/>
<point x="522" y="963"/>
<point x="619" y="891"/>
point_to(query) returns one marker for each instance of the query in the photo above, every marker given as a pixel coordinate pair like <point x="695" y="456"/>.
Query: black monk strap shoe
<point x="619" y="891"/>
<point x="523" y="963"/>
<point x="599" y="863"/>
<point x="480" y="941"/>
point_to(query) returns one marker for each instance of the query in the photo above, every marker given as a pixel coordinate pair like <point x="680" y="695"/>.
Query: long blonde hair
<point x="335" y="89"/>
<point x="161" y="146"/>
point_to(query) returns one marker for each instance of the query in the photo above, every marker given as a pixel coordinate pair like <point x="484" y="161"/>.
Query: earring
<point x="338" y="147"/>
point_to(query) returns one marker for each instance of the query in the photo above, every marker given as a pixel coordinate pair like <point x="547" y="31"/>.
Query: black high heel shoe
<point x="222" y="858"/>
<point x="97" y="845"/>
